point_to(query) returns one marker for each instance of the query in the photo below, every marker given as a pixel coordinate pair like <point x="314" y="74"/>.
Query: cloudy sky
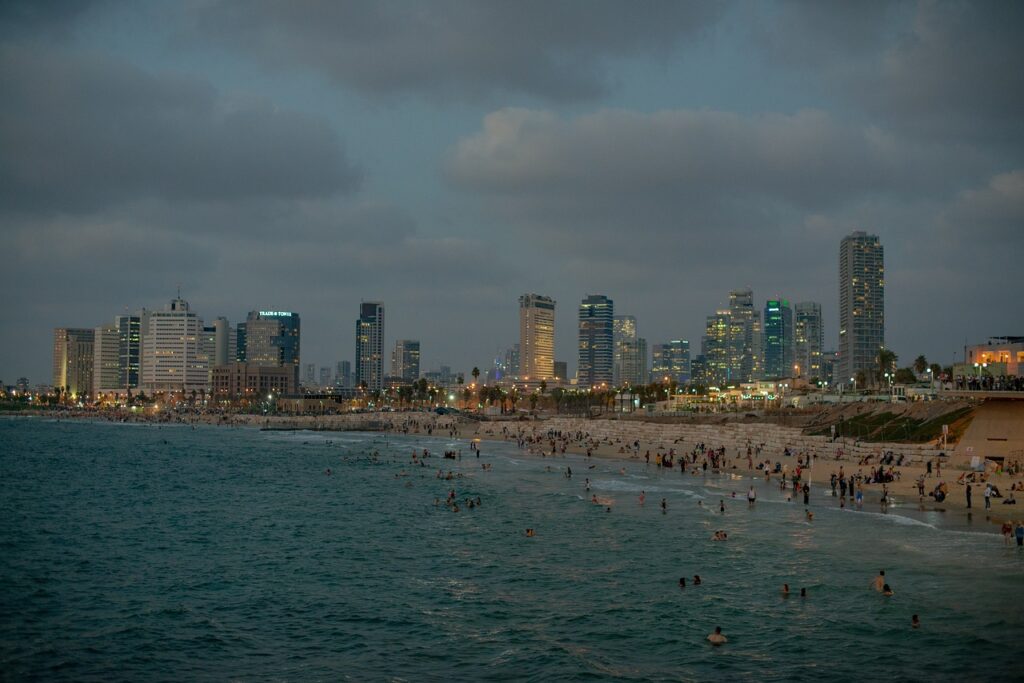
<point x="447" y="156"/>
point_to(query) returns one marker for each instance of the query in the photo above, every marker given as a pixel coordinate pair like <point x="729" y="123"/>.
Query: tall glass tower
<point x="595" y="341"/>
<point x="778" y="339"/>
<point x="861" y="304"/>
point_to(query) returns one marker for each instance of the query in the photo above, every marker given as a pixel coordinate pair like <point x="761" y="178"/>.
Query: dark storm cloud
<point x="82" y="132"/>
<point x="943" y="69"/>
<point x="462" y="48"/>
<point x="695" y="168"/>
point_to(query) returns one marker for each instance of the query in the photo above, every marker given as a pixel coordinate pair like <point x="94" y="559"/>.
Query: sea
<point x="138" y="552"/>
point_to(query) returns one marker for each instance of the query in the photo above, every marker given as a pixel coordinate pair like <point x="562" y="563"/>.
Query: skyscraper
<point x="370" y="346"/>
<point x="73" y="359"/>
<point x="273" y="340"/>
<point x="106" y="364"/>
<point x="309" y="375"/>
<point x="623" y="332"/>
<point x="343" y="376"/>
<point x="633" y="371"/>
<point x="129" y="343"/>
<point x="778" y="339"/>
<point x="223" y="353"/>
<point x="861" y="303"/>
<point x="325" y="377"/>
<point x="746" y="361"/>
<point x="671" y="360"/>
<point x="536" y="337"/>
<point x="172" y="358"/>
<point x="716" y="349"/>
<point x="808" y="339"/>
<point x="405" y="360"/>
<point x="596" y="339"/>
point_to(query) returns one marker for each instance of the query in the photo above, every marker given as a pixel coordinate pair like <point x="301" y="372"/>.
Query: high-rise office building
<point x="106" y="363"/>
<point x="325" y="377"/>
<point x="405" y="360"/>
<point x="861" y="303"/>
<point x="309" y="375"/>
<point x="746" y="362"/>
<point x="623" y="332"/>
<point x="778" y="339"/>
<point x="241" y="338"/>
<point x="510" y="365"/>
<point x="596" y="342"/>
<point x="716" y="347"/>
<point x="633" y="356"/>
<point x="273" y="339"/>
<point x="561" y="370"/>
<point x="670" y="362"/>
<point x="536" y="337"/>
<point x="73" y="359"/>
<point x="224" y="351"/>
<point x="129" y="343"/>
<point x="808" y="339"/>
<point x="370" y="346"/>
<point x="343" y="376"/>
<point x="172" y="358"/>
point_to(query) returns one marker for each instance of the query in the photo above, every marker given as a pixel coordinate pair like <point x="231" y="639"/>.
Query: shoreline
<point x="427" y="424"/>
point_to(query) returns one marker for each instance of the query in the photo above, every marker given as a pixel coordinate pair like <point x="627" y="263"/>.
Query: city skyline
<point x="662" y="157"/>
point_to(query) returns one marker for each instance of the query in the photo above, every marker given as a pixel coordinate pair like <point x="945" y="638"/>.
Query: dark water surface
<point x="131" y="552"/>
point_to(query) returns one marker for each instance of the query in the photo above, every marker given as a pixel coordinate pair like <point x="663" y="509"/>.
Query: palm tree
<point x="475" y="373"/>
<point x="886" y="360"/>
<point x="543" y="386"/>
<point x="920" y="365"/>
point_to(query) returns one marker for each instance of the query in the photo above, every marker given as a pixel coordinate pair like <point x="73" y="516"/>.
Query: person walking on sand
<point x="988" y="496"/>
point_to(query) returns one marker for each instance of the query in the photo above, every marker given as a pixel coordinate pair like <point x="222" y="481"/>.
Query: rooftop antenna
<point x="179" y="290"/>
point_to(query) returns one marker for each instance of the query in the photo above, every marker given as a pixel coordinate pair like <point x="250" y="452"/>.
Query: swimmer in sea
<point x="803" y="592"/>
<point x="886" y="591"/>
<point x="915" y="622"/>
<point x="810" y="516"/>
<point x="785" y="590"/>
<point x="879" y="581"/>
<point x="643" y="497"/>
<point x="696" y="579"/>
<point x="717" y="638"/>
<point x="682" y="582"/>
<point x="530" y="533"/>
<point x="593" y="499"/>
<point x="721" y="506"/>
<point x="664" y="506"/>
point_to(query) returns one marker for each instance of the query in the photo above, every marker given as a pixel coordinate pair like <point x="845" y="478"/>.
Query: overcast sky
<point x="445" y="157"/>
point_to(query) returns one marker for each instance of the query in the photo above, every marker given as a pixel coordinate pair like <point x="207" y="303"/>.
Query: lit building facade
<point x="536" y="337"/>
<point x="861" y="303"/>
<point x="273" y="339"/>
<point x="405" y="360"/>
<point x="778" y="339"/>
<point x="73" y="359"/>
<point x="370" y="346"/>
<point x="623" y="332"/>
<point x="672" y="360"/>
<point x="596" y="342"/>
<point x="172" y="359"/>
<point x="746" y="361"/>
<point x="106" y="363"/>
<point x="129" y="348"/>
<point x="808" y="339"/>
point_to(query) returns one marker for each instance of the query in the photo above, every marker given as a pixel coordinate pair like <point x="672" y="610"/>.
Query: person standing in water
<point x="664" y="506"/>
<point x="717" y="638"/>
